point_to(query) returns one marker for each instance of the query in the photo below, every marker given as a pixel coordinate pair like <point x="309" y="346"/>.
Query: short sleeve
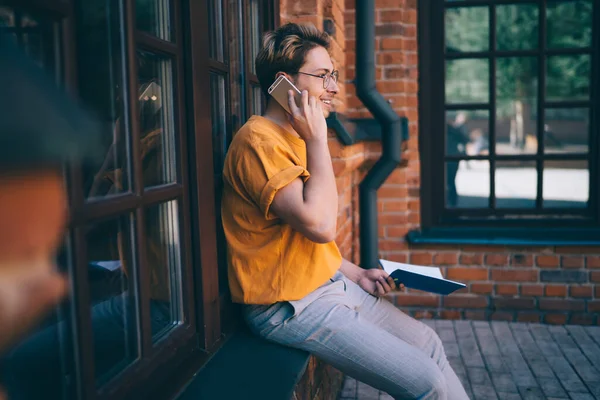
<point x="265" y="169"/>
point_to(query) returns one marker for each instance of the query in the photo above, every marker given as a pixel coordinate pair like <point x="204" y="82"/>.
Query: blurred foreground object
<point x="41" y="129"/>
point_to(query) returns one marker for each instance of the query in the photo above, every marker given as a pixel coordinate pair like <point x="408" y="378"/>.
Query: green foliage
<point x="569" y="25"/>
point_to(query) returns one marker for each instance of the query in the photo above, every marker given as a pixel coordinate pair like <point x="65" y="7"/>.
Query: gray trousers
<point x="363" y="336"/>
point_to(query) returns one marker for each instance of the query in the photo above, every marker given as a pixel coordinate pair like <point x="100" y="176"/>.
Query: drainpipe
<point x="392" y="127"/>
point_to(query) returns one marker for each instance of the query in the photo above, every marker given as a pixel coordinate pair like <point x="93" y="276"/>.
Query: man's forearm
<point x="351" y="270"/>
<point x="320" y="191"/>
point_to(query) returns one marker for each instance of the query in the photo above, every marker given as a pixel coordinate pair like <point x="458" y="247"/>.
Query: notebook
<point x="428" y="279"/>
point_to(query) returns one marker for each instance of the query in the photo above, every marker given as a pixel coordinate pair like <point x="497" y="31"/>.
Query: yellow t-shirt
<point x="268" y="260"/>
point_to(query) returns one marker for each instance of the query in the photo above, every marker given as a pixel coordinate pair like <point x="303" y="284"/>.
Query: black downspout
<point x="391" y="128"/>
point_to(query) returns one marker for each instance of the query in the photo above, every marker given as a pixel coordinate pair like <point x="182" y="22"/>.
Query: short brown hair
<point x="285" y="49"/>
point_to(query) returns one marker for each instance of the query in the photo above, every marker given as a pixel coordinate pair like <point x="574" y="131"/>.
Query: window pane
<point x="219" y="119"/>
<point x="468" y="184"/>
<point x="516" y="102"/>
<point x="215" y="24"/>
<point x="40" y="366"/>
<point x="516" y="184"/>
<point x="157" y="119"/>
<point x="110" y="271"/>
<point x="568" y="78"/>
<point x="467" y="132"/>
<point x="163" y="256"/>
<point x="154" y="17"/>
<point x="102" y="88"/>
<point x="566" y="130"/>
<point x="236" y="47"/>
<point x="255" y="32"/>
<point x="566" y="184"/>
<point x="569" y="23"/>
<point x="467" y="81"/>
<point x="467" y="29"/>
<point x="517" y="27"/>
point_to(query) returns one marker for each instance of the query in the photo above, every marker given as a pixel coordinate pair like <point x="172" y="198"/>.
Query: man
<point x="279" y="216"/>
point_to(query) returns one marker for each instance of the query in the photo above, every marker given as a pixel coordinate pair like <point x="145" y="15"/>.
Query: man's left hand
<point x="377" y="282"/>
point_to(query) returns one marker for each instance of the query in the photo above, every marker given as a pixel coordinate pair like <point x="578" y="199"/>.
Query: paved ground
<point x="500" y="360"/>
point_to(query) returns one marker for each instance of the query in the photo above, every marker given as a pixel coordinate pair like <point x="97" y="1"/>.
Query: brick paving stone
<point x="366" y="392"/>
<point x="483" y="393"/>
<point x="503" y="382"/>
<point x="552" y="387"/>
<point x="513" y="361"/>
<point x="509" y="396"/>
<point x="532" y="393"/>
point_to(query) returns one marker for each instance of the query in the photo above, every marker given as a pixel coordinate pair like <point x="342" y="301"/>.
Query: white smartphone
<point x="279" y="91"/>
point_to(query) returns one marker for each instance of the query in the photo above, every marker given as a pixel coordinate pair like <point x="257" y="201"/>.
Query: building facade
<point x="497" y="183"/>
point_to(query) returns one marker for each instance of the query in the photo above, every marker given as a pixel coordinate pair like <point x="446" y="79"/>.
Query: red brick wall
<point x="552" y="285"/>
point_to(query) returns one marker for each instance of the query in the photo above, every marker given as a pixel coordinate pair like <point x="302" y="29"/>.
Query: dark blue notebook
<point x="428" y="279"/>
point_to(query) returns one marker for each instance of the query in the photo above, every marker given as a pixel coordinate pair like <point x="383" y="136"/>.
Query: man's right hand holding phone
<point x="307" y="119"/>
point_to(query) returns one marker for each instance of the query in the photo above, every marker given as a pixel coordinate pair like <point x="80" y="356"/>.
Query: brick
<point x="593" y="306"/>
<point x="513" y="303"/>
<point x="392" y="192"/>
<point x="396" y="231"/>
<point x="561" y="305"/>
<point x="467" y="274"/>
<point x="564" y="276"/>
<point x="391" y="87"/>
<point x="572" y="262"/>
<point x="390" y="58"/>
<point x="497" y="260"/>
<point x="423" y="314"/>
<point x="303" y="7"/>
<point x="445" y="259"/>
<point x="481" y="288"/>
<point x="521" y="260"/>
<point x="524" y="316"/>
<point x="421" y="258"/>
<point x="471" y="259"/>
<point x="514" y="275"/>
<point x="594" y="276"/>
<point x="556" y="290"/>
<point x="456" y="301"/>
<point x="379" y="4"/>
<point x="532" y="290"/>
<point x="502" y="316"/>
<point x="397" y="73"/>
<point x="391" y="44"/>
<point x="476" y="315"/>
<point x="555" y="319"/>
<point x="390" y="16"/>
<point x="417" y="300"/>
<point x="581" y="291"/>
<point x="582" y="319"/>
<point x="394" y="206"/>
<point x="578" y="250"/>
<point x="547" y="261"/>
<point x="593" y="261"/>
<point x="394" y="29"/>
<point x="392" y="218"/>
<point x="507" y="289"/>
<point x="450" y="314"/>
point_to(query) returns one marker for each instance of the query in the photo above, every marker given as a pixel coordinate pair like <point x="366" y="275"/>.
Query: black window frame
<point x="453" y="225"/>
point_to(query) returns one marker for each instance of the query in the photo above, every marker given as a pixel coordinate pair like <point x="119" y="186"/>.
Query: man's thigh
<point x="383" y="314"/>
<point x="342" y="337"/>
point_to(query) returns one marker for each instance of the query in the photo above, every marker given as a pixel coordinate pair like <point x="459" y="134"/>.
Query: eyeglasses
<point x="326" y="77"/>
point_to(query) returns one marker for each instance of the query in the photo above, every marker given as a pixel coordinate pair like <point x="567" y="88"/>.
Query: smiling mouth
<point x="327" y="102"/>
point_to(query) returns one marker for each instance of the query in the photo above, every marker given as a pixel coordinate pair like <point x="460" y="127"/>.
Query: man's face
<point x="318" y="63"/>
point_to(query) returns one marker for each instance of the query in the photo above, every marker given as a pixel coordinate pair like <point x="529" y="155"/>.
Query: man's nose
<point x="333" y="87"/>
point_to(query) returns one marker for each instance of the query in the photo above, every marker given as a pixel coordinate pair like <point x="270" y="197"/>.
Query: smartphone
<point x="279" y="90"/>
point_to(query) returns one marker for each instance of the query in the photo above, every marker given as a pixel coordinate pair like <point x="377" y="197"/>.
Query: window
<point x="170" y="82"/>
<point x="509" y="95"/>
<point x="130" y="313"/>
<point x="235" y="95"/>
